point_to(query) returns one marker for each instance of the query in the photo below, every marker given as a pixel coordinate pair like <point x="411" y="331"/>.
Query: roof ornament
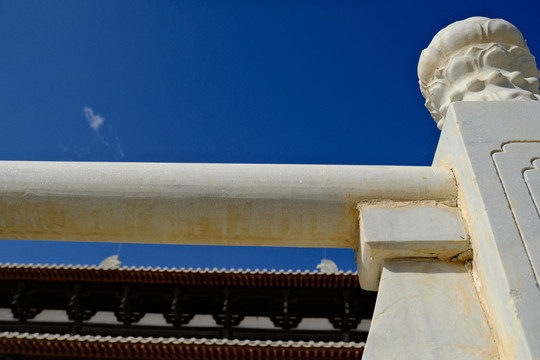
<point x="327" y="267"/>
<point x="110" y="263"/>
<point x="477" y="59"/>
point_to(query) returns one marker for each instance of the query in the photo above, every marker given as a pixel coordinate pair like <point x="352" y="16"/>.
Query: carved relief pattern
<point x="532" y="179"/>
<point x="517" y="167"/>
<point x="477" y="59"/>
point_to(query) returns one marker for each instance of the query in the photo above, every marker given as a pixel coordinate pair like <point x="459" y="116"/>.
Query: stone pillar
<point x="481" y="86"/>
<point x="493" y="150"/>
<point x="428" y="310"/>
<point x="492" y="147"/>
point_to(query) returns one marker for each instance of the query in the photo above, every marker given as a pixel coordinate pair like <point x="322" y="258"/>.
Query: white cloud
<point x="94" y="120"/>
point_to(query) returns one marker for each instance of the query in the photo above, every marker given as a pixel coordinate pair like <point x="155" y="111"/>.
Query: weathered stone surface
<point x="407" y="230"/>
<point x="492" y="148"/>
<point x="221" y="204"/>
<point x="428" y="310"/>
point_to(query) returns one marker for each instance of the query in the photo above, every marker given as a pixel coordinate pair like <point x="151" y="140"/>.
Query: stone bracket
<point x="395" y="230"/>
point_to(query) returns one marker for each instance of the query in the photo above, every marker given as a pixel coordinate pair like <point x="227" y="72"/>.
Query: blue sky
<point x="301" y="82"/>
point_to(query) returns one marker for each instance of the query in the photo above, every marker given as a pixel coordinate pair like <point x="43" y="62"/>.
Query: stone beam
<point x="219" y="204"/>
<point x="399" y="230"/>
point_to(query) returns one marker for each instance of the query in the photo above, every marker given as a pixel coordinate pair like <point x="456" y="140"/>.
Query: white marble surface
<point x="476" y="59"/>
<point x="217" y="204"/>
<point x="393" y="230"/>
<point x="492" y="149"/>
<point x="428" y="310"/>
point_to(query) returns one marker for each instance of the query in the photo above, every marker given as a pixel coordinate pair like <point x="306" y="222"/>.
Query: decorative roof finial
<point x="327" y="267"/>
<point x="477" y="59"/>
<point x="110" y="263"/>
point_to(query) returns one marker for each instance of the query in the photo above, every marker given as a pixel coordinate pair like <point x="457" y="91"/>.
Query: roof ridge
<point x="198" y="270"/>
<point x="173" y="340"/>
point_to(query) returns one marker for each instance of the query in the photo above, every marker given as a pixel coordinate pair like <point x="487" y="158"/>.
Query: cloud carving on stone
<point x="477" y="59"/>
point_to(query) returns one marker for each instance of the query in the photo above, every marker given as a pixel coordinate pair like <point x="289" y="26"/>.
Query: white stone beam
<point x="421" y="230"/>
<point x="220" y="204"/>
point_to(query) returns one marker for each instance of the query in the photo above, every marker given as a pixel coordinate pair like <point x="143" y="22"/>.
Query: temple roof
<point x="26" y="343"/>
<point x="99" y="347"/>
<point x="181" y="276"/>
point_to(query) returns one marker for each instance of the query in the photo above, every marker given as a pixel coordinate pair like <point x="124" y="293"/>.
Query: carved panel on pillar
<point x="516" y="165"/>
<point x="493" y="149"/>
<point x="532" y="178"/>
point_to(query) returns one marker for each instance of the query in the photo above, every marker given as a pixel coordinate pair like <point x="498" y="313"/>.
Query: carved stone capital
<point x="477" y="59"/>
